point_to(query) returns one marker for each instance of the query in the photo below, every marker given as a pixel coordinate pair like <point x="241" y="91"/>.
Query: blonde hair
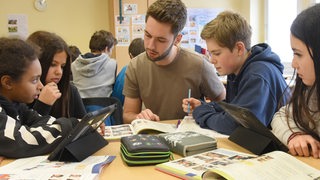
<point x="227" y="29"/>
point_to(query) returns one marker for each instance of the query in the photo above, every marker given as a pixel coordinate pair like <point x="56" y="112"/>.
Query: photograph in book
<point x="192" y="167"/>
<point x="39" y="168"/>
<point x="228" y="164"/>
<point x="273" y="165"/>
<point x="137" y="126"/>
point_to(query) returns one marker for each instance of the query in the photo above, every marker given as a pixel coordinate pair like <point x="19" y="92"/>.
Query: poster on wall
<point x="17" y="25"/>
<point x="197" y="18"/>
<point x="123" y="35"/>
<point x="138" y="30"/>
<point x="138" y="19"/>
<point x="138" y="26"/>
<point x="125" y="20"/>
<point x="130" y="8"/>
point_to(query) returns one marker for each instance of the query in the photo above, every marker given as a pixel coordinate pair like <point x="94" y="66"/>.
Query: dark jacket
<point x="259" y="87"/>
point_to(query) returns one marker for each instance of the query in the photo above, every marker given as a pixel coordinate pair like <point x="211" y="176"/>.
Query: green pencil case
<point x="144" y="149"/>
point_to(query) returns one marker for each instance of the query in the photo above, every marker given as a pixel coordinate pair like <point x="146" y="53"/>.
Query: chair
<point x="94" y="103"/>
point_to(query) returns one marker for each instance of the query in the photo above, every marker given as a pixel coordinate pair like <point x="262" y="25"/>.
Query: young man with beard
<point x="161" y="77"/>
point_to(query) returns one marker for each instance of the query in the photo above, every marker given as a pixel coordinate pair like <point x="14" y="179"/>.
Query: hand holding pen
<point x="189" y="104"/>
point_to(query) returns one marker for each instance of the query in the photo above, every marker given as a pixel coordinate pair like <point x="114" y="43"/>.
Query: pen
<point x="178" y="123"/>
<point x="189" y="95"/>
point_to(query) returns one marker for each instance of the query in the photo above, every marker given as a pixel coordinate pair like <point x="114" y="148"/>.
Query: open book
<point x="143" y="126"/>
<point x="137" y="126"/>
<point x="38" y="168"/>
<point x="228" y="164"/>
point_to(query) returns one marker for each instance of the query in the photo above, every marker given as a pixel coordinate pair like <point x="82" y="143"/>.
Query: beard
<point x="162" y="56"/>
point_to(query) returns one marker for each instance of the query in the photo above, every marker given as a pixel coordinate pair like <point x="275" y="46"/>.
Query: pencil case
<point x="144" y="149"/>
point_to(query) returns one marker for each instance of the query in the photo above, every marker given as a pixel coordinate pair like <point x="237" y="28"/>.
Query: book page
<point x="192" y="167"/>
<point x="149" y="127"/>
<point x="118" y="131"/>
<point x="274" y="165"/>
<point x="189" y="124"/>
<point x="39" y="168"/>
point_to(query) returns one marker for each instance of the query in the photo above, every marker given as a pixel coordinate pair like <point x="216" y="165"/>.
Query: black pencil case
<point x="144" y="149"/>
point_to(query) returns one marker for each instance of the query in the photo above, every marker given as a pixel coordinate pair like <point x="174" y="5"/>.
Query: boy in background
<point x="94" y="73"/>
<point x="136" y="47"/>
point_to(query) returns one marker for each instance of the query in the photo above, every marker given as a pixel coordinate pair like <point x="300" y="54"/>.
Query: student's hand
<point x="49" y="93"/>
<point x="148" y="114"/>
<point x="193" y="104"/>
<point x="304" y="145"/>
<point x="102" y="129"/>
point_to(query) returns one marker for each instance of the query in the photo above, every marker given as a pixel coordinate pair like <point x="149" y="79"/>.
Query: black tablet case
<point x="87" y="143"/>
<point x="81" y="148"/>
<point x="251" y="133"/>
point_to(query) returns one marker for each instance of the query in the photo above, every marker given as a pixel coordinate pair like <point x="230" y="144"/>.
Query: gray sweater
<point x="94" y="75"/>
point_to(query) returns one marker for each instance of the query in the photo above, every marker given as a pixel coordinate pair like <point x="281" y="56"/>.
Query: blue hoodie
<point x="259" y="87"/>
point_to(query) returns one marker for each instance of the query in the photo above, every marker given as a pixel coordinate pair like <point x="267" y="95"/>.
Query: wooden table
<point x="119" y="170"/>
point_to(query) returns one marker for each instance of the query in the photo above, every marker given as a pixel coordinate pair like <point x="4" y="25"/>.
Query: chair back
<point x="94" y="103"/>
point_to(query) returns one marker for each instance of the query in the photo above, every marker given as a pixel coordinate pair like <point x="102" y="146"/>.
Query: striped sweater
<point x="25" y="133"/>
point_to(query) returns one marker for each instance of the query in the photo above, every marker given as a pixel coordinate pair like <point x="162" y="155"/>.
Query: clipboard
<point x="83" y="140"/>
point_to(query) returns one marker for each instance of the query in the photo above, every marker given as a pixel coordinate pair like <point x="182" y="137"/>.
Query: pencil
<point x="189" y="96"/>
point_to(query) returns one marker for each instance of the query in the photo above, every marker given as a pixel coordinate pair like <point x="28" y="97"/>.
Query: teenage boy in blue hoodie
<point x="254" y="79"/>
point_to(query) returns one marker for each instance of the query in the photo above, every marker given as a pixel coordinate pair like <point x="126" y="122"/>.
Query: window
<point x="278" y="29"/>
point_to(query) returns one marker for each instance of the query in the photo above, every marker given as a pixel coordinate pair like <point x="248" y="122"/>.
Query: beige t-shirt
<point x="162" y="88"/>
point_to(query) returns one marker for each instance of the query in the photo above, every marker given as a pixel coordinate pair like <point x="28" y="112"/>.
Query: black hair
<point x="15" y="57"/>
<point x="49" y="44"/>
<point x="136" y="47"/>
<point x="306" y="27"/>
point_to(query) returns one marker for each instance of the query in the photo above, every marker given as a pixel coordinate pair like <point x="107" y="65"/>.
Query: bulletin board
<point x="131" y="26"/>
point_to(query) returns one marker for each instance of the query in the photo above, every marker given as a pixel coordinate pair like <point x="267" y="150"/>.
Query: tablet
<point x="248" y="120"/>
<point x="87" y="125"/>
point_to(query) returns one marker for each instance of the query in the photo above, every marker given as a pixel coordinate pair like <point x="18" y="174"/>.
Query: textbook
<point x="227" y="164"/>
<point x="143" y="126"/>
<point x="137" y="126"/>
<point x="39" y="167"/>
<point x="188" y="143"/>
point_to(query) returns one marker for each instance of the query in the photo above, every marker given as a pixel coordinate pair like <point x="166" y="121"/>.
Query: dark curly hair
<point x="15" y="57"/>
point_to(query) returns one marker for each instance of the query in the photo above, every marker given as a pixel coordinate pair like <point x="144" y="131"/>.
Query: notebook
<point x="82" y="133"/>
